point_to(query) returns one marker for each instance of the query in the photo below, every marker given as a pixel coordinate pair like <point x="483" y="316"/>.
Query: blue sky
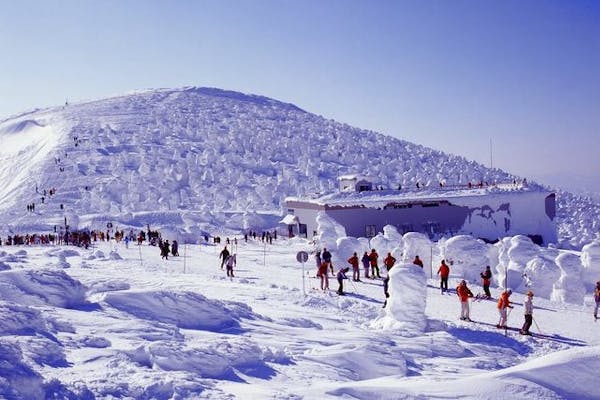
<point x="451" y="75"/>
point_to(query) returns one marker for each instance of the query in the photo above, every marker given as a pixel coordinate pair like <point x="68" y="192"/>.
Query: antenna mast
<point x="491" y="155"/>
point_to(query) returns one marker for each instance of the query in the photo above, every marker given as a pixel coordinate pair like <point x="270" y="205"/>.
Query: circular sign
<point x="302" y="256"/>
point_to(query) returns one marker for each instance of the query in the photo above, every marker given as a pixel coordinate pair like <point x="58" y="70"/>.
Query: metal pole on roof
<point x="491" y="157"/>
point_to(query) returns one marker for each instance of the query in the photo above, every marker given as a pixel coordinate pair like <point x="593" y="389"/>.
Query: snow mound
<point x="387" y="241"/>
<point x="4" y="266"/>
<point x="108" y="286"/>
<point x="358" y="362"/>
<point x="41" y="287"/>
<point x="184" y="309"/>
<point x="540" y="275"/>
<point x="345" y="247"/>
<point x="569" y="288"/>
<point x="58" y="252"/>
<point x="405" y="308"/>
<point x="217" y="359"/>
<point x="17" y="379"/>
<point x="565" y="374"/>
<point x="328" y="231"/>
<point x="590" y="259"/>
<point x="514" y="254"/>
<point x="468" y="268"/>
<point x="417" y="244"/>
<point x="18" y="319"/>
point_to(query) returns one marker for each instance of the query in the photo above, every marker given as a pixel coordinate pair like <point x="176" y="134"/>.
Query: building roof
<point x="289" y="219"/>
<point x="380" y="198"/>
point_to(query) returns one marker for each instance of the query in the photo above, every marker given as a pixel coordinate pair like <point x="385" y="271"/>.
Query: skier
<point x="373" y="260"/>
<point x="389" y="261"/>
<point x="231" y="261"/>
<point x="322" y="273"/>
<point x="597" y="298"/>
<point x="223" y="256"/>
<point x="175" y="248"/>
<point x="464" y="293"/>
<point x="366" y="262"/>
<point x="318" y="258"/>
<point x="528" y="304"/>
<point x="164" y="250"/>
<point x="486" y="276"/>
<point x="418" y="261"/>
<point x="444" y="272"/>
<point x="327" y="259"/>
<point x="503" y="304"/>
<point x="341" y="275"/>
<point x="353" y="261"/>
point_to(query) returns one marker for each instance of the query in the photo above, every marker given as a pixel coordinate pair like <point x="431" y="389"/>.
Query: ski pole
<point x="354" y="286"/>
<point x="536" y="325"/>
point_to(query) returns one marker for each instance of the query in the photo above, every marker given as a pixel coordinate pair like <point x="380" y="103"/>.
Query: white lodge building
<point x="486" y="212"/>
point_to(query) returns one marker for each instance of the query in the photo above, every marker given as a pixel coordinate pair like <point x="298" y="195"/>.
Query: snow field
<point x="146" y="328"/>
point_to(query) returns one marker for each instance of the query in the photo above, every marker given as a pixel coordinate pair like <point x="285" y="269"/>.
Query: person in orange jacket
<point x="503" y="304"/>
<point x="464" y="293"/>
<point x="374" y="267"/>
<point x="353" y="261"/>
<point x="444" y="272"/>
<point x="322" y="273"/>
<point x="389" y="261"/>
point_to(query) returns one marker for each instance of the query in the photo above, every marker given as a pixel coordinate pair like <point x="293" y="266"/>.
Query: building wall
<point x="509" y="214"/>
<point x="430" y="220"/>
<point x="489" y="217"/>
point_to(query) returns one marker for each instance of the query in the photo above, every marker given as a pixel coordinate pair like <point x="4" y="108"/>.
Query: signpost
<point x="302" y="257"/>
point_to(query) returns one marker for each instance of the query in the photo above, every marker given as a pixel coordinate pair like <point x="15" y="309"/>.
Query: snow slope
<point x="204" y="159"/>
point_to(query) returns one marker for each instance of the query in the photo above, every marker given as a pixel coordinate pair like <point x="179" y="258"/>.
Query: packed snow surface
<point x="137" y="326"/>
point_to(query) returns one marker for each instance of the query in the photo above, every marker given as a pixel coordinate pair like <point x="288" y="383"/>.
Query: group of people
<point x="464" y="293"/>
<point x="503" y="304"/>
<point x="370" y="262"/>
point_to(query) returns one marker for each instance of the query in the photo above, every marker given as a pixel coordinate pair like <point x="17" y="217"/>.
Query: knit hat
<point x="530" y="293"/>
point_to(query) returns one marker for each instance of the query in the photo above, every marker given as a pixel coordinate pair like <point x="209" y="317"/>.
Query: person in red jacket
<point x="486" y="277"/>
<point x="444" y="272"/>
<point x="418" y="261"/>
<point x="374" y="267"/>
<point x="353" y="261"/>
<point x="464" y="293"/>
<point x="503" y="304"/>
<point x="322" y="273"/>
<point x="389" y="261"/>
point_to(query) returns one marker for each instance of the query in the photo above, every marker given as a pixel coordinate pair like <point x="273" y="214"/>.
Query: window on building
<point x="290" y="211"/>
<point x="370" y="231"/>
<point x="407" y="228"/>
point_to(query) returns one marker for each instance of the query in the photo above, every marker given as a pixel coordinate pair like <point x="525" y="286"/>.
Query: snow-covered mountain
<point x="203" y="159"/>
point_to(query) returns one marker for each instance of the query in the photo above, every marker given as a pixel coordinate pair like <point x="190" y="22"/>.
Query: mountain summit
<point x="194" y="159"/>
